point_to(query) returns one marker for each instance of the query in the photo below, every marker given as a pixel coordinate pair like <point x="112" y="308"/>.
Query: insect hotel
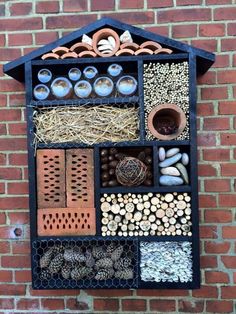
<point x="111" y="115"/>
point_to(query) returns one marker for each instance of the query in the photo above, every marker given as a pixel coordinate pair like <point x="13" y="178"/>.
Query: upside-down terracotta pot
<point x="104" y="34"/>
<point x="151" y="45"/>
<point x="125" y="52"/>
<point x="60" y="50"/>
<point x="78" y="47"/>
<point x="132" y="46"/>
<point x="87" y="54"/>
<point x="163" y="115"/>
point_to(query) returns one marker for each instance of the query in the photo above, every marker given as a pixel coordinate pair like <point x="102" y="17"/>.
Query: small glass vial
<point x="114" y="70"/>
<point x="74" y="74"/>
<point x="44" y="75"/>
<point x="103" y="86"/>
<point x="90" y="72"/>
<point x="61" y="87"/>
<point x="41" y="92"/>
<point x="83" y="89"/>
<point x="126" y="85"/>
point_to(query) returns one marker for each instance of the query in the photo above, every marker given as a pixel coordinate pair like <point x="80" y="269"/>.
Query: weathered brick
<point x="6" y="275"/>
<point x="183" y="15"/>
<point x="193" y="306"/>
<point x="216" y="155"/>
<point x="228" y="292"/>
<point x="153" y="4"/>
<point x="206" y="139"/>
<point x="20" y="39"/>
<point x="22" y="261"/>
<point x="218" y="306"/>
<point x="23" y="8"/>
<point x="206" y="292"/>
<point x="106" y="305"/>
<point x="208" y="93"/>
<point x="10" y="173"/>
<point x="44" y="38"/>
<point x="131" y="4"/>
<point x="98" y="5"/>
<point x="53" y="304"/>
<point x="133" y="305"/>
<point x="229" y="232"/>
<point x="6" y="304"/>
<point x="162" y="305"/>
<point x="206" y="170"/>
<point x="180" y="31"/>
<point x="226" y="13"/>
<point x="206" y="44"/>
<point x="47" y="7"/>
<point x="75" y="6"/>
<point x="212" y="30"/>
<point x="217" y="185"/>
<point x="27" y="304"/>
<point x="216" y="277"/>
<point x="69" y="21"/>
<point x="211" y="124"/>
<point x="228" y="44"/>
<point x="207" y="232"/>
<point x="17" y="188"/>
<point x="228" y="169"/>
<point x="22" y="24"/>
<point x="227" y="200"/>
<point x="12" y="289"/>
<point x="146" y="17"/>
<point x="226" y="77"/>
<point x="217" y="216"/>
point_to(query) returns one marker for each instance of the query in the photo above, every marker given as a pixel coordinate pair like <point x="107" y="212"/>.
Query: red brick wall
<point x="207" y="24"/>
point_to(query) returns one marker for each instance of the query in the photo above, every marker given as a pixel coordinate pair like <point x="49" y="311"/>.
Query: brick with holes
<point x="51" y="178"/>
<point x="80" y="178"/>
<point x="66" y="221"/>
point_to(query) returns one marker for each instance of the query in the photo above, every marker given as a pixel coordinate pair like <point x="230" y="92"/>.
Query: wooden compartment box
<point x="89" y="229"/>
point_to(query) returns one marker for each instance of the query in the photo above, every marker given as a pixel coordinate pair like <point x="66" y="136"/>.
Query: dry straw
<point x="86" y="124"/>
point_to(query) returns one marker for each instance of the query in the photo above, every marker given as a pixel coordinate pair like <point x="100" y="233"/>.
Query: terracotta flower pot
<point x="104" y="34"/>
<point x="78" y="47"/>
<point x="166" y="121"/>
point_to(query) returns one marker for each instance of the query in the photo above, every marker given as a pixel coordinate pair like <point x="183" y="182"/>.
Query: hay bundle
<point x="87" y="124"/>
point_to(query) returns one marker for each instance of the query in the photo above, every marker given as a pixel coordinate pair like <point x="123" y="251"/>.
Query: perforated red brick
<point x="80" y="178"/>
<point x="66" y="221"/>
<point x="51" y="178"/>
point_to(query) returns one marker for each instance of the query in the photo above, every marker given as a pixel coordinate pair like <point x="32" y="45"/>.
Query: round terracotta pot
<point x="163" y="117"/>
<point x="103" y="34"/>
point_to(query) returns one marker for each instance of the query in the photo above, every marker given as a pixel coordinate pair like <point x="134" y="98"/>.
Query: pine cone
<point x="98" y="252"/>
<point x="56" y="263"/>
<point x="104" y="263"/>
<point x="116" y="254"/>
<point x="74" y="255"/>
<point x="58" y="248"/>
<point x="46" y="258"/>
<point x="125" y="274"/>
<point x="122" y="263"/>
<point x="111" y="247"/>
<point x="104" y="274"/>
<point x="45" y="274"/>
<point x="66" y="270"/>
<point x="80" y="272"/>
<point x="90" y="261"/>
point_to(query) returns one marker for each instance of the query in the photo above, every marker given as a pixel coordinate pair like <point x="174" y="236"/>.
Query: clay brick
<point x="162" y="305"/>
<point x="162" y="293"/>
<point x="131" y="4"/>
<point x="16" y="188"/>
<point x="53" y="304"/>
<point x="19" y="218"/>
<point x="221" y="14"/>
<point x="208" y="93"/>
<point x="206" y="170"/>
<point x="207" y="201"/>
<point x="188" y="2"/>
<point x="218" y="306"/>
<point x="216" y="155"/>
<point x="12" y="289"/>
<point x="20" y="39"/>
<point x="228" y="44"/>
<point x="69" y="21"/>
<point x="20" y="8"/>
<point x="206" y="292"/>
<point x="217" y="247"/>
<point x="98" y="5"/>
<point x="211" y="124"/>
<point x="146" y="17"/>
<point x="183" y="15"/>
<point x="106" y="305"/>
<point x="216" y="277"/>
<point x="226" y="77"/>
<point x="27" y="304"/>
<point x="66" y="221"/>
<point x="229" y="232"/>
<point x="208" y="232"/>
<point x="231" y="29"/>
<point x="153" y="4"/>
<point x="11" y="85"/>
<point x="6" y="275"/>
<point x="2" y="188"/>
<point x="160" y="30"/>
<point x="217" y="185"/>
<point x="2" y="218"/>
<point x="227" y="200"/>
<point x="51" y="178"/>
<point x="132" y="305"/>
<point x="113" y="293"/>
<point x="192" y="306"/>
<point x="3" y="129"/>
<point x="227" y="107"/>
<point x="17" y="129"/>
<point x="222" y="61"/>
<point x="10" y="173"/>
<point x="44" y="38"/>
<point x="4" y="247"/>
<point x="8" y="144"/>
<point x="21" y="261"/>
<point x="206" y="139"/>
<point x="22" y="24"/>
<point x="211" y="30"/>
<point x="208" y="78"/>
<point x="23" y="276"/>
<point x="14" y="202"/>
<point x="18" y="159"/>
<point x="10" y="114"/>
<point x="228" y="170"/>
<point x="80" y="178"/>
<point x="6" y="304"/>
<point x="21" y="247"/>
<point x="206" y="44"/>
<point x="180" y="31"/>
<point x="228" y="292"/>
<point x="2" y="40"/>
<point x="16" y="100"/>
<point x="218" y="216"/>
<point x="75" y="6"/>
<point x="47" y="7"/>
<point x="3" y="100"/>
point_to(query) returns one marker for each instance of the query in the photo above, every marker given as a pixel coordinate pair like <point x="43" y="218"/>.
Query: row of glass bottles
<point x="103" y="86"/>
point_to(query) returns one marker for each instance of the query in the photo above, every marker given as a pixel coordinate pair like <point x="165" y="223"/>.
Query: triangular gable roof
<point x="204" y="58"/>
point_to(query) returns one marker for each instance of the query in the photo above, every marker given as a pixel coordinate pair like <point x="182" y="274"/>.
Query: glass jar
<point x="90" y="72"/>
<point x="61" y="87"/>
<point x="126" y="85"/>
<point x="74" y="74"/>
<point x="82" y="89"/>
<point x="103" y="86"/>
<point x="44" y="75"/>
<point x="114" y="70"/>
<point x="41" y="92"/>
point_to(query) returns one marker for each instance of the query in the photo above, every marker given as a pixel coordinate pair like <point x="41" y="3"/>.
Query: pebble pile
<point x="146" y="214"/>
<point x="166" y="83"/>
<point x="173" y="166"/>
<point x="166" y="261"/>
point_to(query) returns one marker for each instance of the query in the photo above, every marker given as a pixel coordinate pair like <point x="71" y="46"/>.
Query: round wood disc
<point x="169" y="197"/>
<point x="160" y="213"/>
<point x="105" y="207"/>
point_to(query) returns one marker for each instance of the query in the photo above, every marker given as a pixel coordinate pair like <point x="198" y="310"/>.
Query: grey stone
<point x="172" y="151"/>
<point x="185" y="159"/>
<point x="171" y="171"/>
<point x="170" y="180"/>
<point x="184" y="173"/>
<point x="161" y="154"/>
<point x="170" y="161"/>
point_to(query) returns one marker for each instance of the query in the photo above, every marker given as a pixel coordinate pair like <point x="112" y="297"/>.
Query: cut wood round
<point x="154" y="227"/>
<point x="145" y="197"/>
<point x="152" y="232"/>
<point x="178" y="232"/>
<point x="183" y="220"/>
<point x="129" y="207"/>
<point x="120" y="233"/>
<point x="105" y="207"/>
<point x="152" y="218"/>
<point x="172" y="220"/>
<point x="169" y="197"/>
<point x="170" y="212"/>
<point x="155" y="200"/>
<point x="181" y="205"/>
<point x="145" y="225"/>
<point x="140" y="206"/>
<point x="188" y="211"/>
<point x="117" y="218"/>
<point x="147" y="204"/>
<point x="165" y="219"/>
<point x="104" y="228"/>
<point x="172" y="228"/>
<point x="108" y="199"/>
<point x="105" y="221"/>
<point x="146" y="211"/>
<point x="115" y="208"/>
<point x="187" y="198"/>
<point x="160" y="213"/>
<point x="137" y="216"/>
<point x="160" y="228"/>
<point x="180" y="197"/>
<point x="128" y="216"/>
<point x="164" y="205"/>
<point x="153" y="208"/>
<point x="135" y="201"/>
<point x="166" y="224"/>
<point x="180" y="212"/>
<point x="122" y="212"/>
<point x="112" y="225"/>
<point x="124" y="227"/>
<point x="131" y="227"/>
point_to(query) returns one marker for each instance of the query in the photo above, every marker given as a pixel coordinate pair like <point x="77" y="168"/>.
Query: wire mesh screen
<point x="85" y="263"/>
